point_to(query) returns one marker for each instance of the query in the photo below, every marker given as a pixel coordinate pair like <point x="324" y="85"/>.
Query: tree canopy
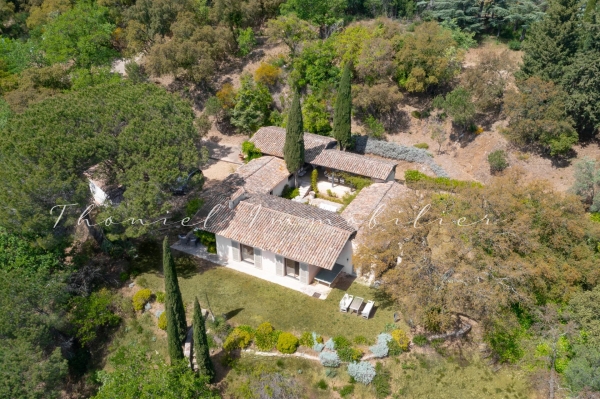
<point x="139" y="137"/>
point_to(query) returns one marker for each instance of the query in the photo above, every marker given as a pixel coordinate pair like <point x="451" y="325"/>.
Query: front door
<point x="292" y="268"/>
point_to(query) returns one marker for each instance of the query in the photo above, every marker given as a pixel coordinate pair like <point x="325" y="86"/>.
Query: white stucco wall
<point x="268" y="262"/>
<point x="345" y="258"/>
<point x="223" y="247"/>
<point x="279" y="188"/>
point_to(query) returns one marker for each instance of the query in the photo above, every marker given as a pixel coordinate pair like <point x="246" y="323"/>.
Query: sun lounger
<point x="366" y="312"/>
<point x="345" y="302"/>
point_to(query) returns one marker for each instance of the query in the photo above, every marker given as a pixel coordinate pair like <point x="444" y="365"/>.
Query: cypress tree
<point x="293" y="150"/>
<point x="205" y="366"/>
<point x="342" y="112"/>
<point x="176" y="323"/>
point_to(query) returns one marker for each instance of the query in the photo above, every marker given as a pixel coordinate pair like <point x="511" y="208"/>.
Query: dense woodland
<point x="529" y="280"/>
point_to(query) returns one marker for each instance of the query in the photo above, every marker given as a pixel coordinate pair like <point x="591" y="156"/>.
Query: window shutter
<point x="279" y="265"/>
<point x="258" y="258"/>
<point x="235" y="249"/>
<point x="304" y="273"/>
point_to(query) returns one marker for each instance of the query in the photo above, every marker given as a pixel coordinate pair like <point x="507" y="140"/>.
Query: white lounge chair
<point x="345" y="302"/>
<point x="366" y="312"/>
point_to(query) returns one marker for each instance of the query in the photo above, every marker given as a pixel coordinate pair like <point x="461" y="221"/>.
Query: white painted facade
<point x="267" y="264"/>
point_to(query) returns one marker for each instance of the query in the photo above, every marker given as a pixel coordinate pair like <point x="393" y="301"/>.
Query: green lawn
<point x="249" y="300"/>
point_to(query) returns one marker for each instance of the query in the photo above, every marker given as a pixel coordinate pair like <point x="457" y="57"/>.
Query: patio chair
<point x="345" y="302"/>
<point x="366" y="312"/>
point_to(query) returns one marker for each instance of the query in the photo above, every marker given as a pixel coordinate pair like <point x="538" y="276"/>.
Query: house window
<point x="292" y="268"/>
<point x="247" y="253"/>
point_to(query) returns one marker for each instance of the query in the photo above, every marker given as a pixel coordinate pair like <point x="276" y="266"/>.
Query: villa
<point x="301" y="246"/>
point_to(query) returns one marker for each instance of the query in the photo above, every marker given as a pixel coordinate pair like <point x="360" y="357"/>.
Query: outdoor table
<point x="355" y="305"/>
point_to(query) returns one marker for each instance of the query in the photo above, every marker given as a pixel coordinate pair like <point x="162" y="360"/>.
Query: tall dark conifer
<point x="342" y="112"/>
<point x="293" y="150"/>
<point x="552" y="42"/>
<point x="205" y="365"/>
<point x="176" y="323"/>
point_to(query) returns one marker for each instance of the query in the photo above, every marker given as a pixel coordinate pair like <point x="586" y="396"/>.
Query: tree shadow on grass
<point x="232" y="313"/>
<point x="383" y="299"/>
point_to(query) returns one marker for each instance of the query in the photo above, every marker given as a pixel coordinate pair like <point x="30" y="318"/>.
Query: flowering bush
<point x="162" y="321"/>
<point x="287" y="343"/>
<point x="140" y="298"/>
<point x="362" y="372"/>
<point x="401" y="339"/>
<point x="329" y="359"/>
<point x="306" y="339"/>
<point x="237" y="339"/>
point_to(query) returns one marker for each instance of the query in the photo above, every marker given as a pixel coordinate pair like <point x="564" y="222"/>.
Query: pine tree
<point x="553" y="41"/>
<point x="205" y="366"/>
<point x="176" y="323"/>
<point x="342" y="113"/>
<point x="293" y="150"/>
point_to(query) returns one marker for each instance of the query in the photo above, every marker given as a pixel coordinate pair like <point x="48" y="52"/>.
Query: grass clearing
<point x="249" y="300"/>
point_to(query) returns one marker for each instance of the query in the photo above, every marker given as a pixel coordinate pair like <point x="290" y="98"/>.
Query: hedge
<point x="413" y="177"/>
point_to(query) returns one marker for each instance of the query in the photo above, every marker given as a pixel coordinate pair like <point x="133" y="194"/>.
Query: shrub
<point x="265" y="337"/>
<point x="414" y="176"/>
<point x="360" y="340"/>
<point x="367" y="145"/>
<point x="226" y="96"/>
<point x="358" y="182"/>
<point x="416" y="114"/>
<point x="497" y="161"/>
<point x="420" y="340"/>
<point x="394" y="348"/>
<point x="140" y="298"/>
<point x="250" y="151"/>
<point x="350" y="354"/>
<point x="162" y="321"/>
<point x="374" y="127"/>
<point x="287" y="343"/>
<point x="401" y="339"/>
<point x="595" y="216"/>
<point x="329" y="359"/>
<point x="307" y="340"/>
<point x="341" y="342"/>
<point x="247" y="329"/>
<point x="160" y="297"/>
<point x="219" y="326"/>
<point x="314" y="176"/>
<point x="514" y="45"/>
<point x="330" y="344"/>
<point x="317" y="338"/>
<point x="238" y="338"/>
<point x="245" y="41"/>
<point x="192" y="207"/>
<point x="267" y="74"/>
<point x="381" y="348"/>
<point x="322" y="384"/>
<point x="381" y="382"/>
<point x="207" y="239"/>
<point x="290" y="193"/>
<point x="318" y="347"/>
<point x="362" y="372"/>
<point x="423" y="146"/>
<point x="347" y="390"/>
<point x="90" y="314"/>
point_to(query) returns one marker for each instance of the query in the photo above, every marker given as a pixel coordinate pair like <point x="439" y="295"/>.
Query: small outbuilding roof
<point x="374" y="198"/>
<point x="294" y="230"/>
<point x="354" y="163"/>
<point x="271" y="139"/>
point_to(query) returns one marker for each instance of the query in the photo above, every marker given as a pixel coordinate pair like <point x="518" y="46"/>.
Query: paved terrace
<point x="288" y="282"/>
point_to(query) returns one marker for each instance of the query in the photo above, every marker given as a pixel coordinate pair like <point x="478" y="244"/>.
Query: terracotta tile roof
<point x="258" y="176"/>
<point x="354" y="163"/>
<point x="296" y="231"/>
<point x="373" y="198"/>
<point x="271" y="139"/>
<point x="263" y="174"/>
